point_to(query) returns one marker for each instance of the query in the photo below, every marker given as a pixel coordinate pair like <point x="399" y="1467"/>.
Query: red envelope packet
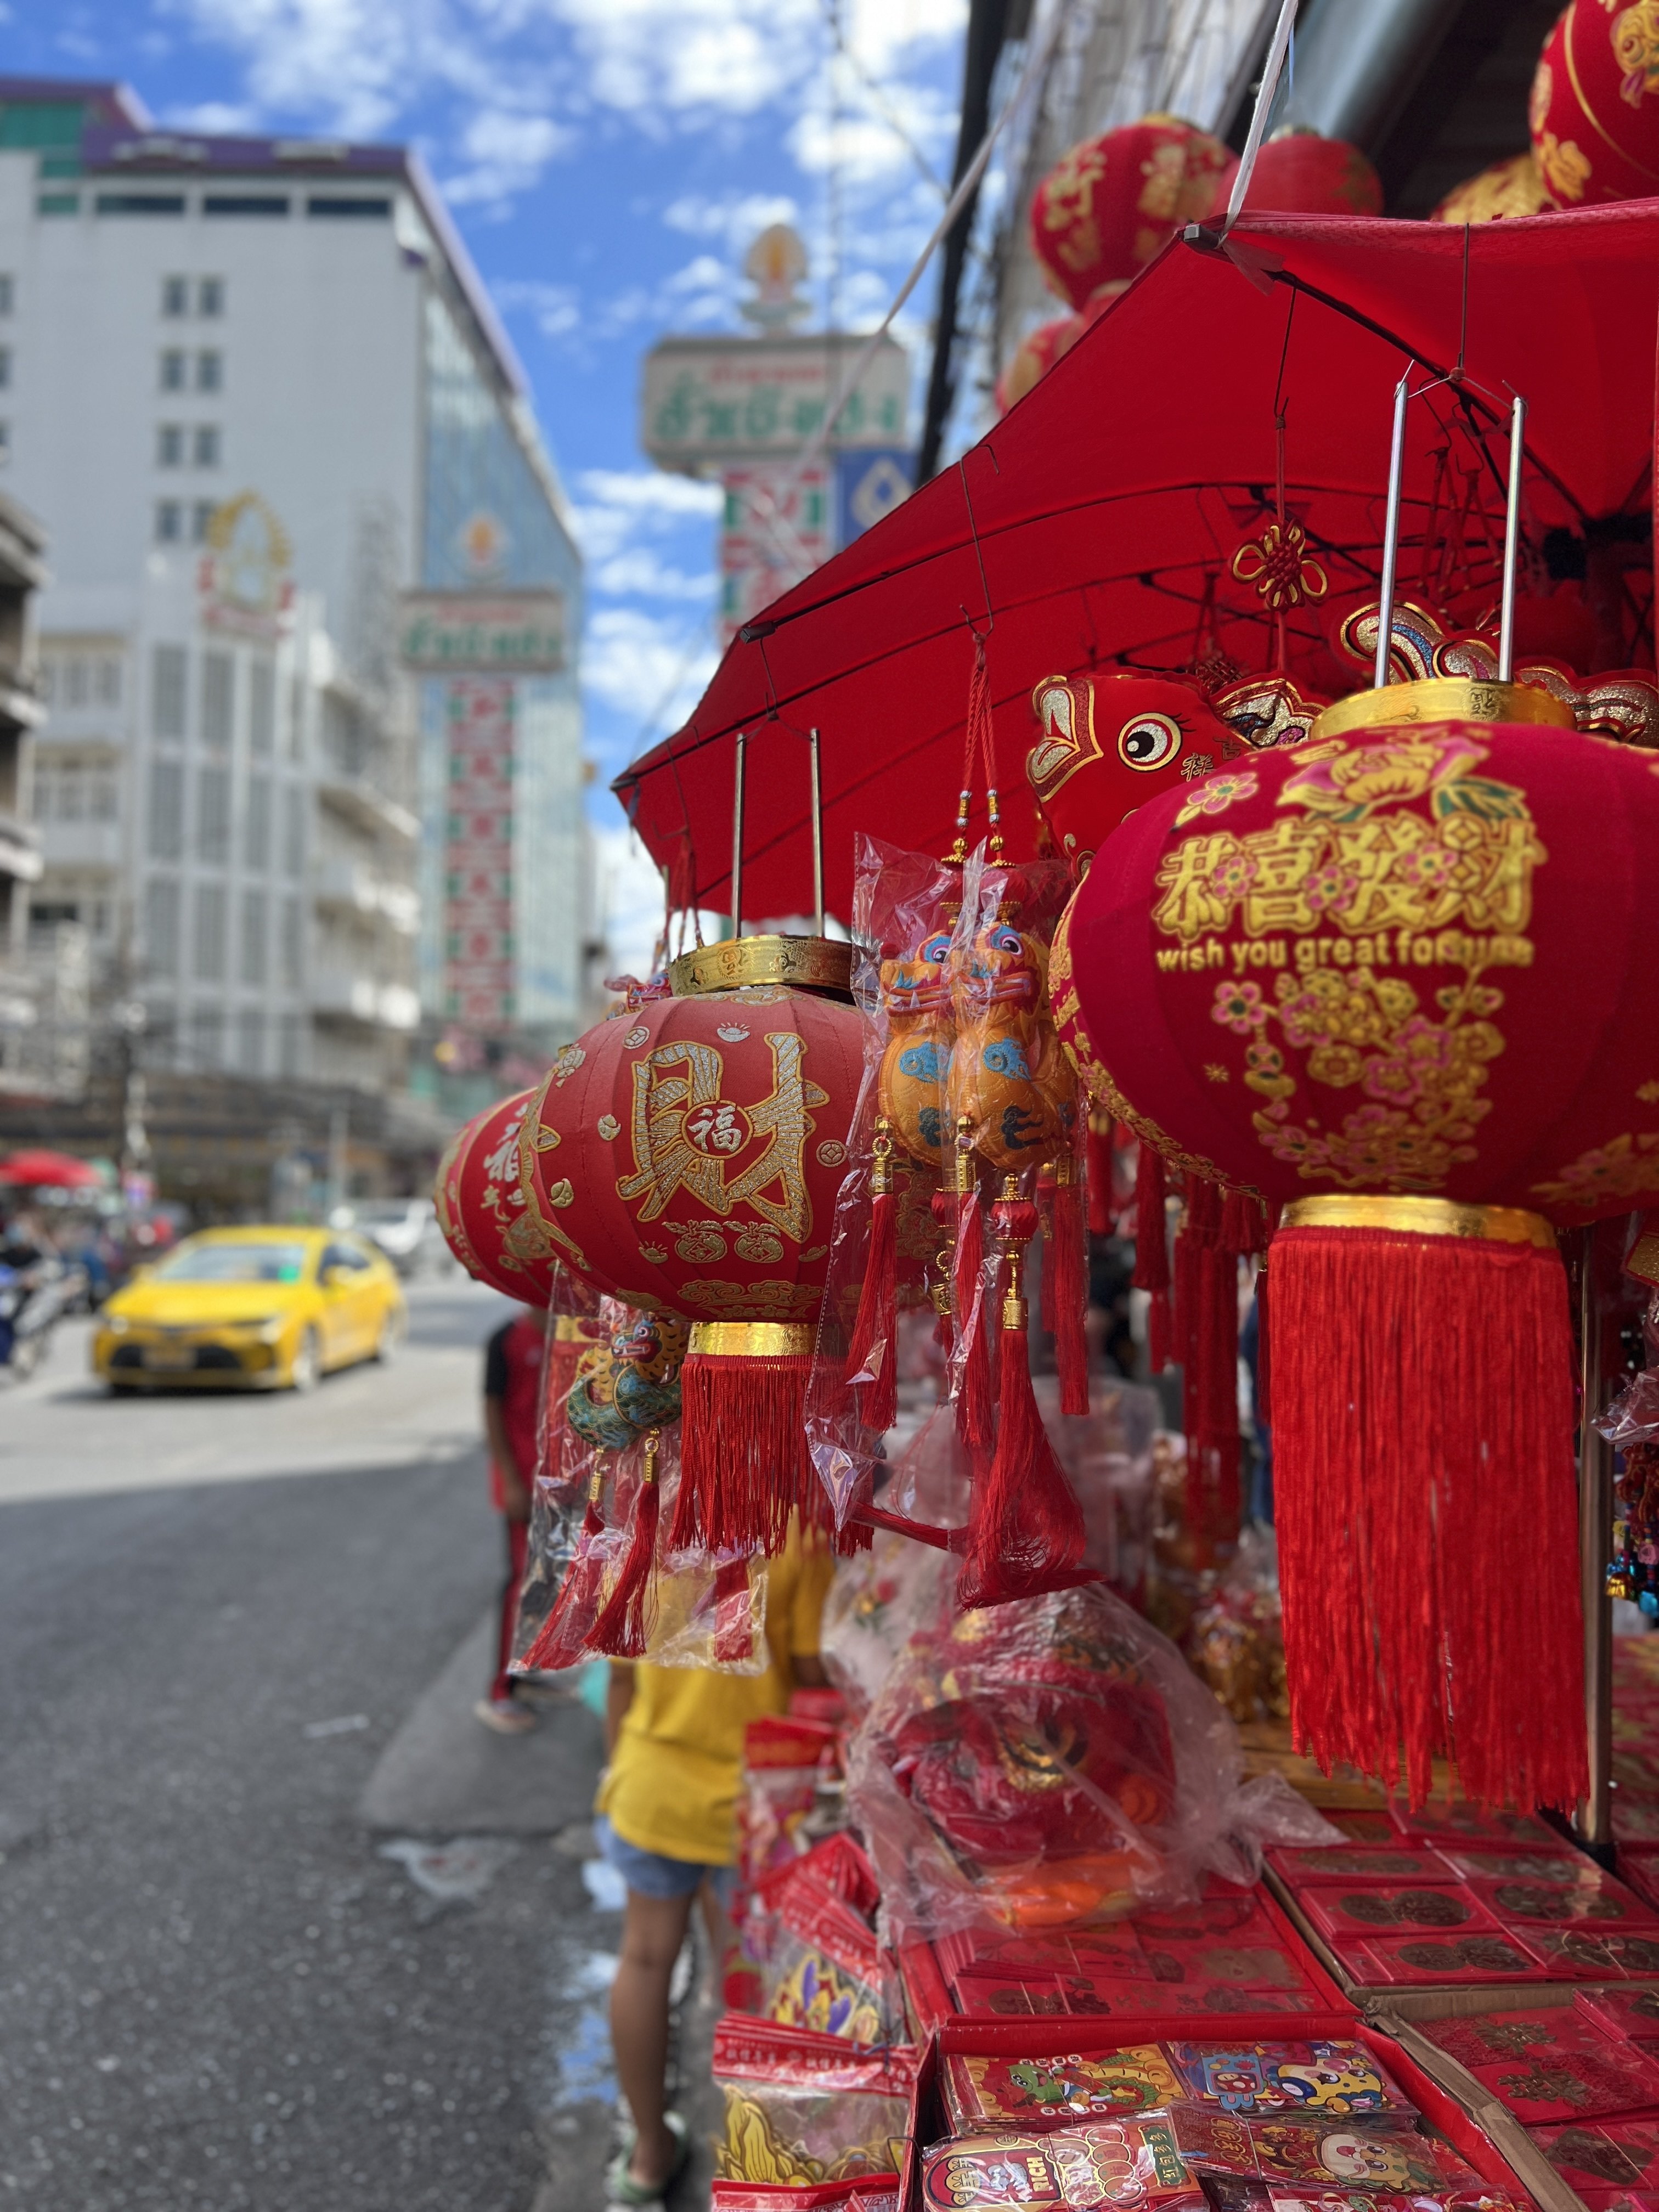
<point x="1423" y="1959"/>
<point x="1472" y="1826"/>
<point x="1371" y="1911"/>
<point x="1357" y="1864"/>
<point x="1600" y="1903"/>
<point x="1125" y="2165"/>
<point x="1585" y="1954"/>
<point x="1300" y="2150"/>
<point x="1002" y="1997"/>
<point x="1563" y="1865"/>
<point x="1606" y="2154"/>
<point x="1037" y="2093"/>
<point x="1633" y="2013"/>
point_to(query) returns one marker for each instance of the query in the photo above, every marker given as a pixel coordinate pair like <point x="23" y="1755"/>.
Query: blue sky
<point x="608" y="161"/>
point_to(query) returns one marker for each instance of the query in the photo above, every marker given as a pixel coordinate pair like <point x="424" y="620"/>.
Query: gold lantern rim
<point x="1443" y="699"/>
<point x="819" y="965"/>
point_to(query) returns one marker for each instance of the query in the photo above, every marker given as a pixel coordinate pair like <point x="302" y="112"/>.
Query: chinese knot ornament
<point x="1397" y="981"/>
<point x="685" y="1158"/>
<point x="1595" y="107"/>
<point x="1110" y="205"/>
<point x="482" y="1210"/>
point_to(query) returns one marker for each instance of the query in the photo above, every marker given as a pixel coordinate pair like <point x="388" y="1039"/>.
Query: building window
<point x="5" y="368"/>
<point x="167" y="810"/>
<point x="210" y="295"/>
<point x="207" y="1037"/>
<point x="289" y="1047"/>
<point x="169" y="522"/>
<point x="293" y="830"/>
<point x="213" y="816"/>
<point x="251" y="1040"/>
<point x="8" y="295"/>
<point x="161" y="925"/>
<point x="338" y="204"/>
<point x="293" y="944"/>
<point x="256" y="825"/>
<point x="254" y="937"/>
<point x="167" y="670"/>
<point x="205" y="446"/>
<point x="109" y="680"/>
<point x="209" y="950"/>
<point x="173" y="370"/>
<point x="201" y="517"/>
<point x="169" y="446"/>
<point x="175" y="295"/>
<point x="76" y="680"/>
<point x="218" y="698"/>
<point x="261" y="707"/>
<point x="243" y="204"/>
<point x="209" y="372"/>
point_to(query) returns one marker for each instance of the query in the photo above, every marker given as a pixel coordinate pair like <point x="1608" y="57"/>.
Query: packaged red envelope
<point x="1365" y="1827"/>
<point x="1426" y="1958"/>
<point x="1232" y="1965"/>
<point x="1037" y="2093"/>
<point x="1117" y="1953"/>
<point x="1230" y="2192"/>
<point x="1574" y="2085"/>
<point x="1486" y="2038"/>
<point x="1238" y="1918"/>
<point x="1586" y="1953"/>
<point x="1640" y="1868"/>
<point x="1564" y="1864"/>
<point x="1123" y="2163"/>
<point x="1003" y="1997"/>
<point x="1618" y="2200"/>
<point x="1473" y="1825"/>
<point x="1606" y="2154"/>
<point x="1301" y="2150"/>
<point x="1353" y="1864"/>
<point x="1634" y="2012"/>
<point x="1323" y="2079"/>
<point x="1598" y="1902"/>
<point x="1374" y="1910"/>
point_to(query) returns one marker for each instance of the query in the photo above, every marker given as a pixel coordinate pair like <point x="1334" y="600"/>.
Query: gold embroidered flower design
<point x="1216" y="794"/>
<point x="1626" y="1168"/>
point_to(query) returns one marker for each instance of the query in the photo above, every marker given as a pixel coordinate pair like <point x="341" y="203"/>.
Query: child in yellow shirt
<point x="666" y="1807"/>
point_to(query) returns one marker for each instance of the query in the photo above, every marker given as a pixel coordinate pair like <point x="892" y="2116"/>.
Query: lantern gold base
<point x="823" y="964"/>
<point x="751" y="1340"/>
<point x="1421" y="1217"/>
<point x="1442" y="699"/>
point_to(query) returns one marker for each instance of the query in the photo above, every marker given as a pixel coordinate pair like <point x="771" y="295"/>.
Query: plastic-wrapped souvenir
<point x="1230" y="2192"/>
<point x="802" y="2109"/>
<point x="827" y="1971"/>
<point x="782" y="1760"/>
<point x="1122" y="2164"/>
<point x="1341" y="2079"/>
<point x="1032" y="2092"/>
<point x="1301" y="2150"/>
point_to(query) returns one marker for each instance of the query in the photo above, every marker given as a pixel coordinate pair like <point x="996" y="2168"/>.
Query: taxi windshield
<point x="233" y="1263"/>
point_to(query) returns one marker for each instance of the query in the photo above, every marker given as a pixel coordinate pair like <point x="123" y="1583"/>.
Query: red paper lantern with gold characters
<point x="481" y="1208"/>
<point x="1595" y="105"/>
<point x="1111" y="204"/>
<point x="1399" y="981"/>
<point x="686" y="1157"/>
<point x="1299" y="173"/>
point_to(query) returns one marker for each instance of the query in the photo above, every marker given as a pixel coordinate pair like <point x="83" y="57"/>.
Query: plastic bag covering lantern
<point x="1398" y="979"/>
<point x="1595" y="107"/>
<point x="482" y="1211"/>
<point x="1109" y="206"/>
<point x="1299" y="173"/>
<point x="685" y="1158"/>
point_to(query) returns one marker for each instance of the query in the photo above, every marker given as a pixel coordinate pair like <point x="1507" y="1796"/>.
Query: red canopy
<point x="47" y="1170"/>
<point x="1088" y="525"/>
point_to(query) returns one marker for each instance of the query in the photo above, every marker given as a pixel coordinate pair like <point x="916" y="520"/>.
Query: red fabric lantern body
<point x="686" y="1157"/>
<point x="1508" y="188"/>
<point x="1595" y="105"/>
<point x="1109" y="206"/>
<point x="1034" y="355"/>
<point x="489" y="1228"/>
<point x="1402" y="973"/>
<point x="1302" y="173"/>
<point x="1109" y="744"/>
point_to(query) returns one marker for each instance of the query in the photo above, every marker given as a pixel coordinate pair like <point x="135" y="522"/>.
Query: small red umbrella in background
<point x="43" y="1170"/>
<point x="1091" y="522"/>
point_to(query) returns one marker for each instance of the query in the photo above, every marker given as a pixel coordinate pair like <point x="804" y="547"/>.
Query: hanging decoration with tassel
<point x="623" y="1626"/>
<point x="563" y="1637"/>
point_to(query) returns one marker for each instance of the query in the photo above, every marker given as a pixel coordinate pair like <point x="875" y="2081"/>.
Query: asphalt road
<point x="219" y="1987"/>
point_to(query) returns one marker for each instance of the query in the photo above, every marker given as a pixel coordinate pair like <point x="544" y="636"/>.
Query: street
<point x="281" y="1925"/>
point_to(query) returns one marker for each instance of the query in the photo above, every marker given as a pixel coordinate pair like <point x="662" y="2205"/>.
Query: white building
<point x="255" y="392"/>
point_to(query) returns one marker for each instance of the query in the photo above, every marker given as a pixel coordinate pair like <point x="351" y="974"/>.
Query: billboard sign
<point x="709" y="401"/>
<point x="483" y="634"/>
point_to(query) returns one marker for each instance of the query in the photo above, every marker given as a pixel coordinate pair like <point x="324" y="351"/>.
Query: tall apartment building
<point x="256" y="392"/>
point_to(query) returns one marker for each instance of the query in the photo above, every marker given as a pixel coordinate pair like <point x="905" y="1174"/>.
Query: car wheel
<point x="306" y="1364"/>
<point x="389" y="1342"/>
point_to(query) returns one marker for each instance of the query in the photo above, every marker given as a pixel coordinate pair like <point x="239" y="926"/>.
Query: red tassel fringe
<point x="623" y="1628"/>
<point x="1206" y="1322"/>
<point x="1067" y="1270"/>
<point x="875" y="1330"/>
<point x="744" y="1468"/>
<point x="974" y="1415"/>
<point x="563" y="1635"/>
<point x="1426" y="1512"/>
<point x="734" y="1618"/>
<point x="1151" y="1273"/>
<point x="1026" y="1533"/>
<point x="558" y="1374"/>
<point x="1263" y="1340"/>
<point x="1100" y="1183"/>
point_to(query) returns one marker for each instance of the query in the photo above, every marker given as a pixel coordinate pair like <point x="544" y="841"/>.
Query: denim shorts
<point x="654" y="1876"/>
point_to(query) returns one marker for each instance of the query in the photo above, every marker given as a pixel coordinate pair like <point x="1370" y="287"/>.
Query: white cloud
<point x="650" y="672"/>
<point x="618" y="505"/>
<point x="641" y="574"/>
<point x="556" y="309"/>
<point x="630" y="901"/>
<point x="508" y="152"/>
<point x="219" y="118"/>
<point x="862" y="149"/>
<point x="735" y="219"/>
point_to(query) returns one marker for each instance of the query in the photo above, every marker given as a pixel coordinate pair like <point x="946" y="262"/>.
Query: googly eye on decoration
<point x="1005" y="940"/>
<point x="1150" y="741"/>
<point x="937" y="948"/>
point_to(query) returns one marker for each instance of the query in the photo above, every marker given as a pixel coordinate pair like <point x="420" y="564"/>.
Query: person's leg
<point x="517" y="1542"/>
<point x="654" y="1929"/>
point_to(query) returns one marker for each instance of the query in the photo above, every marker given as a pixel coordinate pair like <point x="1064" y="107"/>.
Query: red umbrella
<point x="47" y="1170"/>
<point x="1089" y="528"/>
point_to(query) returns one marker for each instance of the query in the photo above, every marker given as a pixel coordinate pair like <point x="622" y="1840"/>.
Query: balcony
<point x="82" y="844"/>
<point x="19" y="848"/>
<point x="341" y="993"/>
<point x="347" y="886"/>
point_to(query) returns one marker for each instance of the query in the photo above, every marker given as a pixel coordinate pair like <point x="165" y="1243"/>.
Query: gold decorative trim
<point x="805" y="964"/>
<point x="574" y="1328"/>
<point x="751" y="1340"/>
<point x="1442" y="699"/>
<point x="1422" y="1217"/>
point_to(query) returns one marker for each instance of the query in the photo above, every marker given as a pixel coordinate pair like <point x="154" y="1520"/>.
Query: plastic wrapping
<point x="1126" y="2165"/>
<point x="825" y="1970"/>
<point x="1052" y="1764"/>
<point x="783" y="1758"/>
<point x="806" y="2109"/>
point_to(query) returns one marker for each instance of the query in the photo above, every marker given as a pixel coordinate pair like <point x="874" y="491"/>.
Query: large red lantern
<point x="1109" y="206"/>
<point x="1299" y="173"/>
<point x="1398" y="980"/>
<point x="1509" y="188"/>
<point x="482" y="1210"/>
<point x="1034" y="356"/>
<point x="1595" y="105"/>
<point x="686" y="1157"/>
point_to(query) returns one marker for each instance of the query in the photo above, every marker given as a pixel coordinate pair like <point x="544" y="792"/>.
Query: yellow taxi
<point x="262" y="1309"/>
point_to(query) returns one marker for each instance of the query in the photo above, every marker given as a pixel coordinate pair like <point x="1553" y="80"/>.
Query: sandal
<point x="620" y="2186"/>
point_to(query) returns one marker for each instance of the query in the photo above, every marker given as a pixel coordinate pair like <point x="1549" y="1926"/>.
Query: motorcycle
<point x="33" y="1299"/>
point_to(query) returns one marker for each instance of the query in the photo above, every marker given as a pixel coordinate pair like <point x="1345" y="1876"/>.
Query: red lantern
<point x="1508" y="188"/>
<point x="686" y="1157"/>
<point x="1109" y="206"/>
<point x="1595" y="105"/>
<point x="1034" y="356"/>
<point x="1109" y="744"/>
<point x="1299" y="173"/>
<point x="482" y="1210"/>
<point x="1398" y="980"/>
